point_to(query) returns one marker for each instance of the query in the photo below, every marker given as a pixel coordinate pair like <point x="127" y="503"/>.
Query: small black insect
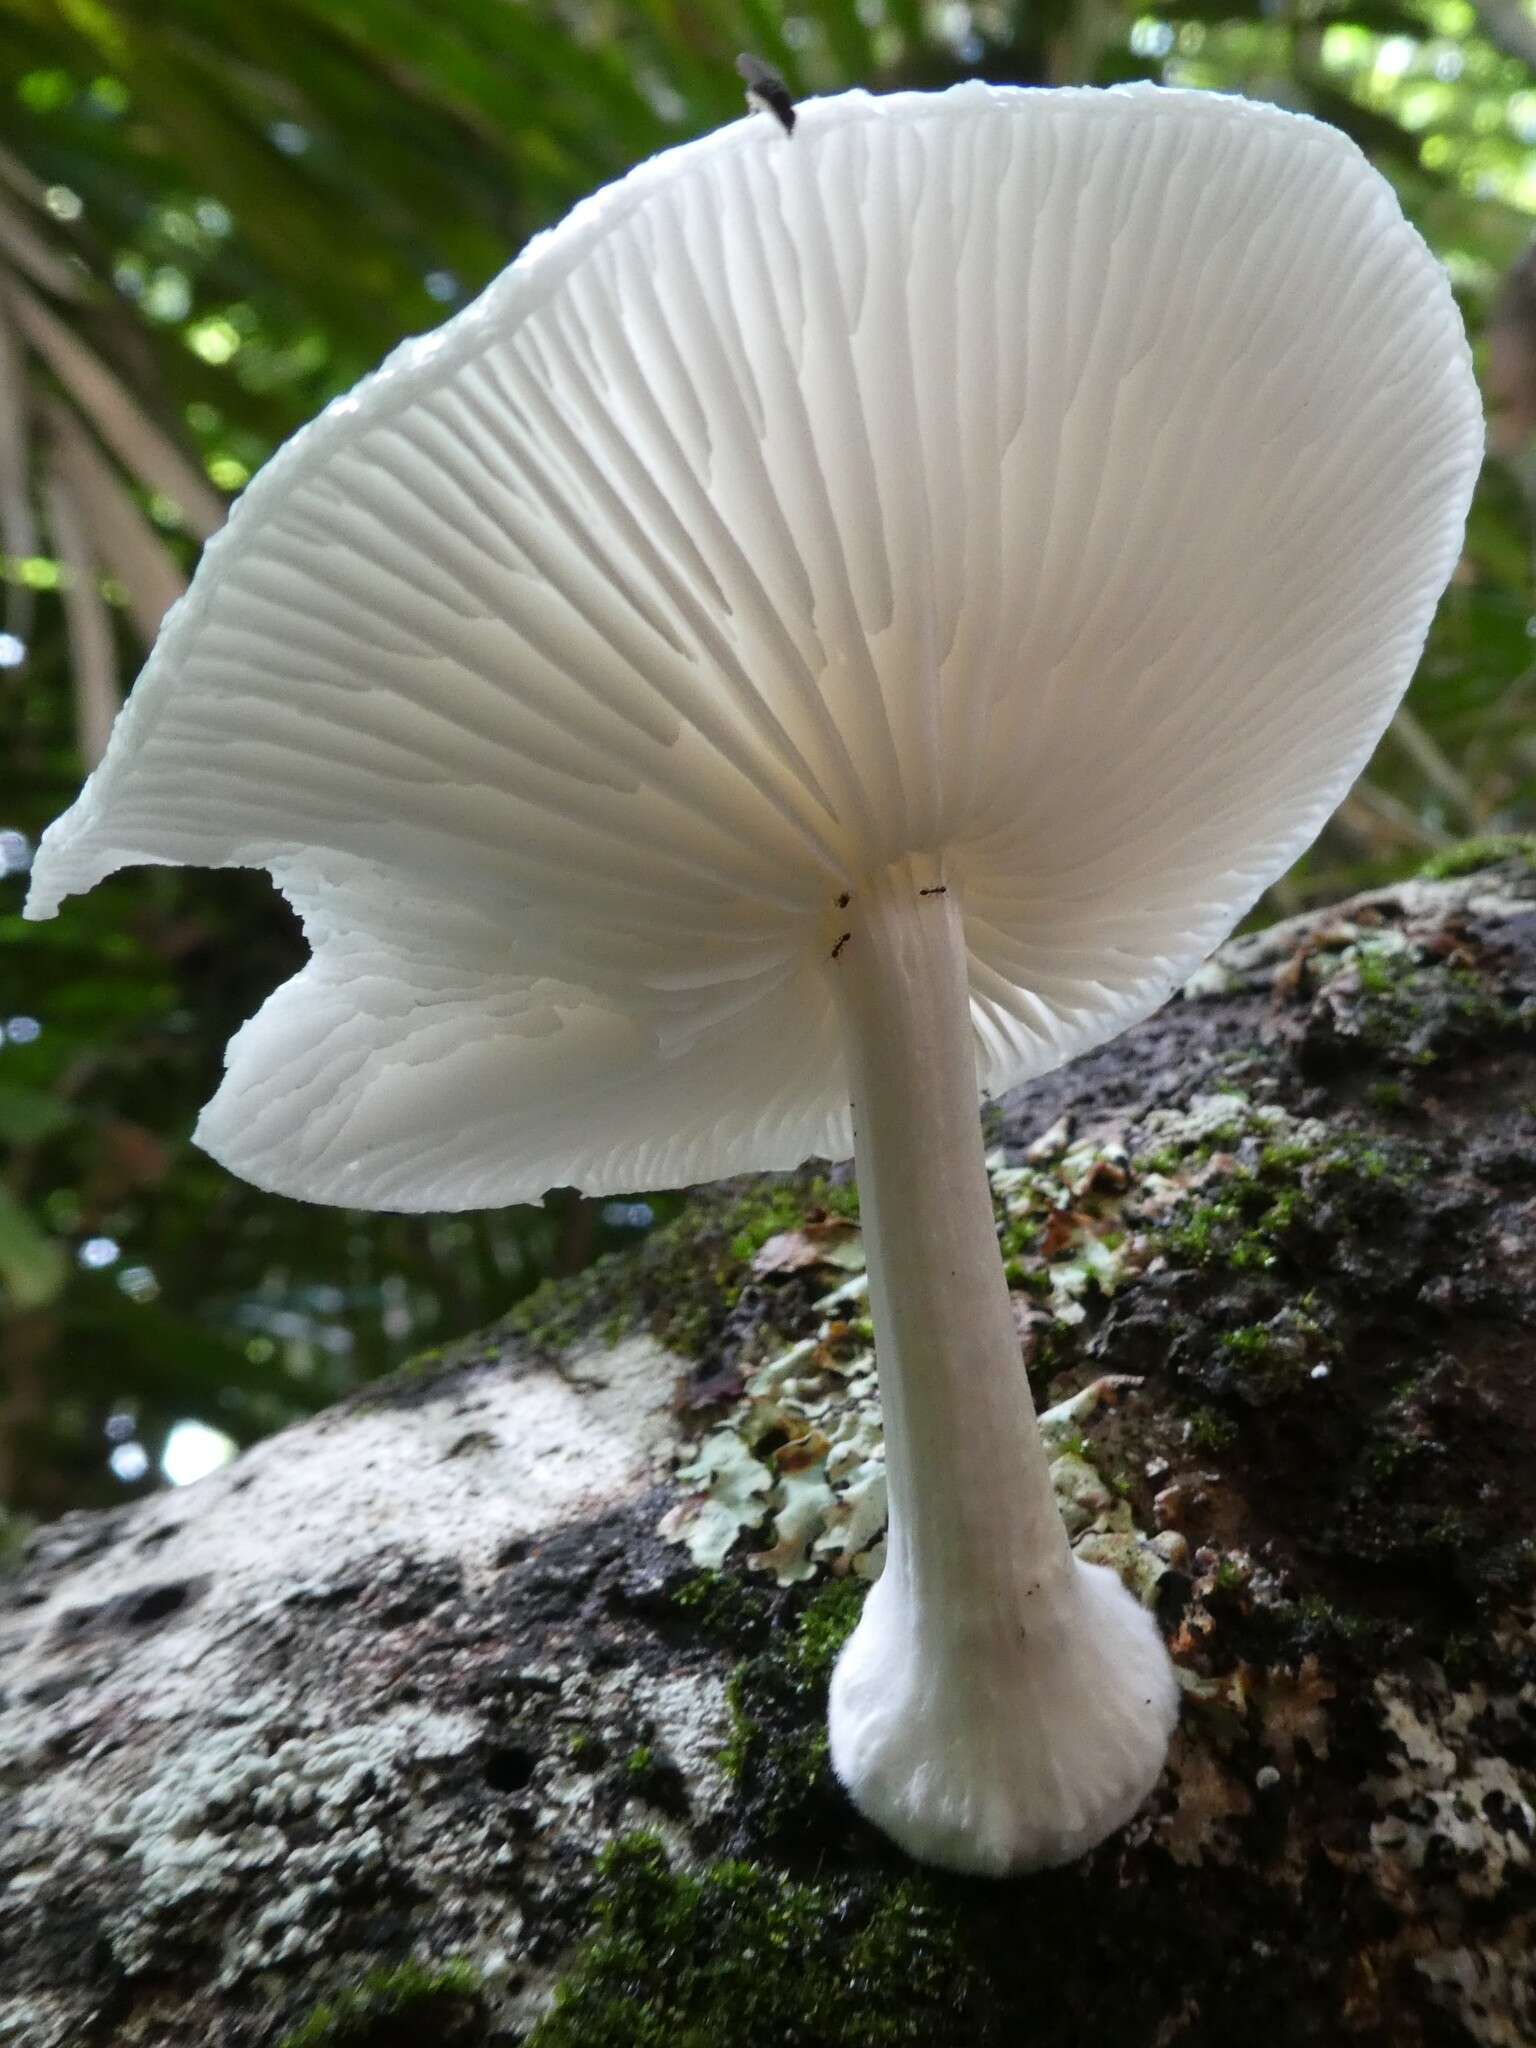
<point x="841" y="943"/>
<point x="939" y="889"/>
<point x="766" y="91"/>
<point x="843" y="900"/>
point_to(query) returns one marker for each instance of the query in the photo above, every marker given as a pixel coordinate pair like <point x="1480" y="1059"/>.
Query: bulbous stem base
<point x="1004" y="1756"/>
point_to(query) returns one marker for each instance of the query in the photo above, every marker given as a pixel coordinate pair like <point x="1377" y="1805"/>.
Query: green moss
<point x="777" y="1749"/>
<point x="724" y="1608"/>
<point x="782" y="1774"/>
<point x="640" y="1763"/>
<point x="824" y="1627"/>
<point x="1285" y="1210"/>
<point x="1389" y="1455"/>
<point x="1474" y="854"/>
<point x="1055" y="1352"/>
<point x="1413" y="1012"/>
<point x="784" y="1208"/>
<point x="1222" y="1137"/>
<point x="1257" y="1212"/>
<point x="1017" y="1236"/>
<point x="1323" y="1621"/>
<point x="1263" y="1362"/>
<point x="1254" y="1340"/>
<point x="411" y="1381"/>
<point x="1288" y="1156"/>
<point x="1380" y="971"/>
<point x="1370" y="1162"/>
<point x="746" y="1735"/>
<point x="1390" y="1098"/>
<point x="739" y="1957"/>
<point x="1221" y="1231"/>
<point x="396" y="2008"/>
<point x="1168" y="1159"/>
<point x="1196" y="1238"/>
<point x="682" y="1281"/>
<point x="1211" y="1432"/>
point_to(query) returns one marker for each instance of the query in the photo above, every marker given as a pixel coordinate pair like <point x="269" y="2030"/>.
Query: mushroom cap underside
<point x="1059" y="484"/>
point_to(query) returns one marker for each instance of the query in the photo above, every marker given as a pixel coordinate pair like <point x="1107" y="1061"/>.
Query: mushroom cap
<point x="1059" y="482"/>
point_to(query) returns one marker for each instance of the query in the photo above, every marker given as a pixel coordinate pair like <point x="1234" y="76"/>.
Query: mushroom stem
<point x="1000" y="1706"/>
<point x="970" y="1490"/>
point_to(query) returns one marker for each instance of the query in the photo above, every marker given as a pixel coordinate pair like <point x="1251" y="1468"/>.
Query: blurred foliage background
<point x="215" y="215"/>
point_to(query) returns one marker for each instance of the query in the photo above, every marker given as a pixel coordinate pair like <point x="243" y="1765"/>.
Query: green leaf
<point x="29" y="1115"/>
<point x="33" y="1267"/>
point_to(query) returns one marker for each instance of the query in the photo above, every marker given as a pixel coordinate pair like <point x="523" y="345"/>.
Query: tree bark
<point x="328" y="1749"/>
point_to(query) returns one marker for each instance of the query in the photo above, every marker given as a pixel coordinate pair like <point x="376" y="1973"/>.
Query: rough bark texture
<point x="439" y="1703"/>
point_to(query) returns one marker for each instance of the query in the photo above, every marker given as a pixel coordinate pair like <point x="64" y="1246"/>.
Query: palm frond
<point x="87" y="617"/>
<point x="123" y="424"/>
<point x="119" y="534"/>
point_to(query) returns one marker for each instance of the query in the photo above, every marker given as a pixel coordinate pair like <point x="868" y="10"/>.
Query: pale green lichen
<point x="798" y="1459"/>
<point x="1213" y="979"/>
<point x="803" y="1452"/>
<point x="1220" y="1122"/>
<point x="1098" y="1517"/>
<point x="1060" y="1227"/>
<point x="800" y="1452"/>
<point x="797" y="1462"/>
<point x="725" y="1492"/>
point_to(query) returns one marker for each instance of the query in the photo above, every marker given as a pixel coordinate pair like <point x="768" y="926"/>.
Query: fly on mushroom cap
<point x="766" y="90"/>
<point x="853" y="620"/>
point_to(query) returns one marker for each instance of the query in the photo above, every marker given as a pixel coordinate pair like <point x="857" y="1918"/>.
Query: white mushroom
<point x="858" y="618"/>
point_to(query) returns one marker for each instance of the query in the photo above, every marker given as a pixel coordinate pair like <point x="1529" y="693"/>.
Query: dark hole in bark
<point x="509" y="1770"/>
<point x="157" y="1604"/>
